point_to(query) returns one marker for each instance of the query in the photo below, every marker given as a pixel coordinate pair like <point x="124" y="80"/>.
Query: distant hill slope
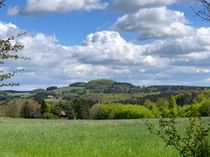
<point x="96" y="86"/>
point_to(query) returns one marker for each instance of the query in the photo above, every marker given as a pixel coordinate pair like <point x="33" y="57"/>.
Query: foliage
<point x="173" y="112"/>
<point x="8" y="50"/>
<point x="78" y="84"/>
<point x="44" y="107"/>
<point x="82" y="108"/>
<point x="117" y="92"/>
<point x="162" y="104"/>
<point x="26" y="108"/>
<point x="193" y="144"/>
<point x="64" y="106"/>
<point x="31" y="109"/>
<point x="48" y="115"/>
<point x="100" y="86"/>
<point x="94" y="111"/>
<point x="11" y="108"/>
<point x="159" y="104"/>
<point x="120" y="111"/>
<point x="153" y="107"/>
<point x="204" y="109"/>
<point x="52" y="88"/>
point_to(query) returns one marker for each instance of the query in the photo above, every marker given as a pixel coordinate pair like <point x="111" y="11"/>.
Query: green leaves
<point x="194" y="143"/>
<point x="8" y="50"/>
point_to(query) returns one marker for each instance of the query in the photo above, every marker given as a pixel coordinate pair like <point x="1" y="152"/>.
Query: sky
<point x="153" y="42"/>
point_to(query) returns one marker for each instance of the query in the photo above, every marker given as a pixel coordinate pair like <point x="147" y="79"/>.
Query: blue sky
<point x="143" y="42"/>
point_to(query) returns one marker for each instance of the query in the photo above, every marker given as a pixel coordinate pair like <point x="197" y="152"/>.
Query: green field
<point x="60" y="138"/>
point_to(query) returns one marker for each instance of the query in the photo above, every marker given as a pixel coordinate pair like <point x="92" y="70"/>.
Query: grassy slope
<point x="41" y="138"/>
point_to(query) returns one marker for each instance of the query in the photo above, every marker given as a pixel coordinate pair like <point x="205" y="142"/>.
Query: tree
<point x="172" y="107"/>
<point x="8" y="50"/>
<point x="65" y="107"/>
<point x="31" y="109"/>
<point x="82" y="108"/>
<point x="193" y="143"/>
<point x="203" y="10"/>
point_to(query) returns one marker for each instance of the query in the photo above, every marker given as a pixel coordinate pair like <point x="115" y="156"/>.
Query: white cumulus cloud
<point x="106" y="54"/>
<point x="155" y="23"/>
<point x="46" y="6"/>
<point x="129" y="6"/>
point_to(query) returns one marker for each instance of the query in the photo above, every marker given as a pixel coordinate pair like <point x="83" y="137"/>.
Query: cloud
<point x="34" y="7"/>
<point x="153" y="23"/>
<point x="194" y="45"/>
<point x="132" y="6"/>
<point x="106" y="54"/>
<point x="109" y="47"/>
<point x="8" y="29"/>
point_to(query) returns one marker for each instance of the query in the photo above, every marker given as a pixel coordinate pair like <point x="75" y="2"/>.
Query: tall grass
<point x="57" y="138"/>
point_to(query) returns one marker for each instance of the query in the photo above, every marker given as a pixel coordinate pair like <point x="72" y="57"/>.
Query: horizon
<point x="23" y="89"/>
<point x="143" y="43"/>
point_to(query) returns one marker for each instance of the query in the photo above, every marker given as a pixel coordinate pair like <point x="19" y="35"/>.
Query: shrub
<point x="120" y="111"/>
<point x="188" y="110"/>
<point x="193" y="144"/>
<point x="82" y="108"/>
<point x="204" y="109"/>
<point x="31" y="109"/>
<point x="94" y="111"/>
<point x="172" y="106"/>
<point x="44" y="107"/>
<point x="48" y="116"/>
<point x="64" y="106"/>
<point x="167" y="107"/>
<point x="14" y="108"/>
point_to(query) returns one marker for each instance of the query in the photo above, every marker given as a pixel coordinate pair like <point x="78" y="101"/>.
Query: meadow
<point x="61" y="138"/>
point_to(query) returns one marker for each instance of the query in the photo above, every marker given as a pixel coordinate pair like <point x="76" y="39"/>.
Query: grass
<point x="57" y="138"/>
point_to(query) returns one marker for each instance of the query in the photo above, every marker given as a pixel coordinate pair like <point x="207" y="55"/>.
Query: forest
<point x="106" y="99"/>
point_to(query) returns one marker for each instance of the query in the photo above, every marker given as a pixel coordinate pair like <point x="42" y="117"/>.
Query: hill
<point x="98" y="89"/>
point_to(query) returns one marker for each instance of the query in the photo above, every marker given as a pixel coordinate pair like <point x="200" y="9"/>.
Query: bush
<point x="153" y="107"/>
<point x="94" y="111"/>
<point x="194" y="143"/>
<point x="64" y="106"/>
<point x="31" y="109"/>
<point x="44" y="107"/>
<point x="17" y="108"/>
<point x="188" y="110"/>
<point x="120" y="111"/>
<point x="48" y="116"/>
<point x="82" y="108"/>
<point x="204" y="109"/>
<point x="11" y="108"/>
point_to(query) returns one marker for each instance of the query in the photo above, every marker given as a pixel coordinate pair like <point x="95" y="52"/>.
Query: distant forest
<point x="106" y="99"/>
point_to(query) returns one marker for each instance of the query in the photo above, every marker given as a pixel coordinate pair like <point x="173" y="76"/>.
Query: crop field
<point x="60" y="138"/>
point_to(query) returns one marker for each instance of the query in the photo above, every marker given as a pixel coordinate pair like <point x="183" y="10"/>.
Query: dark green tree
<point x="82" y="108"/>
<point x="64" y="106"/>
